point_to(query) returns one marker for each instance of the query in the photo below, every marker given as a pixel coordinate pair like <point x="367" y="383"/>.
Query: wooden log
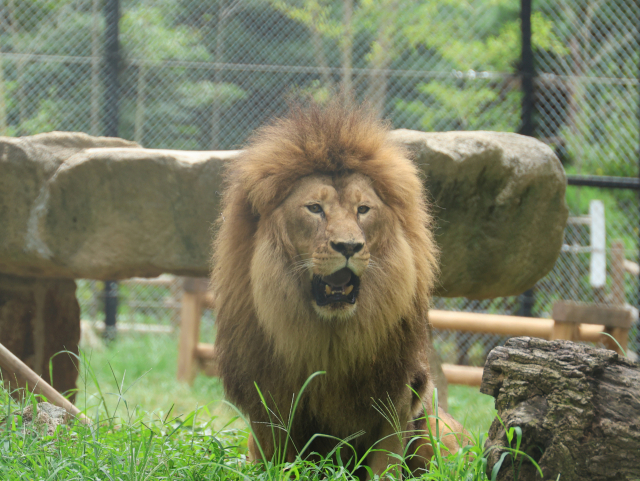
<point x="609" y="316"/>
<point x="616" y="319"/>
<point x="460" y="321"/>
<point x="191" y="312"/>
<point x="631" y="267"/>
<point x="565" y="330"/>
<point x="205" y="352"/>
<point x="618" y="295"/>
<point x="591" y="332"/>
<point x="491" y="323"/>
<point x="130" y="327"/>
<point x="618" y="298"/>
<point x="466" y="375"/>
<point x="578" y="408"/>
<point x="206" y="357"/>
<point x="511" y="325"/>
<point x="620" y="340"/>
<point x="165" y="280"/>
<point x="14" y="366"/>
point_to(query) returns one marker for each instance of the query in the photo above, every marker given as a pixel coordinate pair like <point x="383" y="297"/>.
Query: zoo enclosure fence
<point x="185" y="74"/>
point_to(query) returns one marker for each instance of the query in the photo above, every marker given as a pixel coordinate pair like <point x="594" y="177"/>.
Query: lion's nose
<point x="347" y="249"/>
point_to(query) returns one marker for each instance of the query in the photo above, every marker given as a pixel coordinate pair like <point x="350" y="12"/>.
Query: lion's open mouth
<point x="341" y="286"/>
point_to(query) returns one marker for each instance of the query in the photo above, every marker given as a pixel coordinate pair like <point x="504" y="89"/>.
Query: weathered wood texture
<point x="38" y="319"/>
<point x="578" y="408"/>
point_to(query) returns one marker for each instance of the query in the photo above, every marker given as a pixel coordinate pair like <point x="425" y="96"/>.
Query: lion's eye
<point x="315" y="208"/>
<point x="363" y="209"/>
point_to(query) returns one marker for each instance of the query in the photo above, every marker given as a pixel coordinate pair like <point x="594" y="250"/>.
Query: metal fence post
<point x="527" y="122"/>
<point x="111" y="65"/>
<point x="110" y="126"/>
<point x="110" y="309"/>
<point x="638" y="115"/>
<point x="526" y="70"/>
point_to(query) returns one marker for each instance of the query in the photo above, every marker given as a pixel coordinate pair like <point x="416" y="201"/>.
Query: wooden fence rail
<point x="571" y="321"/>
<point x="513" y="326"/>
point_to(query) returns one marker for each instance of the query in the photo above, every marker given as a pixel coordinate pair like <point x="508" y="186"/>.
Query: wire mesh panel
<point x="141" y="301"/>
<point x="144" y="305"/>
<point x="587" y="85"/>
<point x="203" y="75"/>
<point x="587" y="104"/>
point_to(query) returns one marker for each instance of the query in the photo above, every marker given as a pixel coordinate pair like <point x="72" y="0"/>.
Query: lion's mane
<point x="273" y="340"/>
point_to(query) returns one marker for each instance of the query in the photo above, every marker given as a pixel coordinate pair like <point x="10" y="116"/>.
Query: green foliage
<point x="129" y="445"/>
<point x="480" y="98"/>
<point x="146" y="426"/>
<point x="468" y="106"/>
<point x="148" y="34"/>
<point x="468" y="51"/>
<point x="204" y="93"/>
<point x="125" y="442"/>
<point x="318" y="15"/>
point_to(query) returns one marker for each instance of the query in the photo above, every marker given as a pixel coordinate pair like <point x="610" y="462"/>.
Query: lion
<point x="324" y="260"/>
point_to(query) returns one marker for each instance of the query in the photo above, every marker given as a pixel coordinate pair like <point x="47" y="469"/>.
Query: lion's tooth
<point x="327" y="290"/>
<point x="348" y="290"/>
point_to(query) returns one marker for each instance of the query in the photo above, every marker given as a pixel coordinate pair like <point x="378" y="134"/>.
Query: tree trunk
<point x="21" y="96"/>
<point x="378" y="78"/>
<point x="578" y="408"/>
<point x="380" y="59"/>
<point x="3" y="105"/>
<point x="138" y="134"/>
<point x="321" y="59"/>
<point x="95" y="68"/>
<point x="347" y="49"/>
<point x="223" y="16"/>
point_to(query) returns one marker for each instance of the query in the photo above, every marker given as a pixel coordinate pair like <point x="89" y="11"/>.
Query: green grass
<point x="145" y="368"/>
<point x="147" y="426"/>
<point x="147" y="364"/>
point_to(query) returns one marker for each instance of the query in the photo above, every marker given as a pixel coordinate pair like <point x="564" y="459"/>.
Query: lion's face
<point x="331" y="223"/>
<point x="323" y="250"/>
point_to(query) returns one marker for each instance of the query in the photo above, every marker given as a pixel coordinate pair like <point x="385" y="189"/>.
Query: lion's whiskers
<point x="374" y="267"/>
<point x="301" y="266"/>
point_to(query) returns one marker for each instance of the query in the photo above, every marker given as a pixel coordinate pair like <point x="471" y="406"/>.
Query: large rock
<point x="39" y="318"/>
<point x="76" y="206"/>
<point x="105" y="211"/>
<point x="498" y="199"/>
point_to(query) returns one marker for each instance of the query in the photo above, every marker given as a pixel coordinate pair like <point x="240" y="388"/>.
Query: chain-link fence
<point x="203" y="75"/>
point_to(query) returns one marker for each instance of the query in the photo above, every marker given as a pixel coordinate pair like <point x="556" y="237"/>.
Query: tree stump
<point x="578" y="408"/>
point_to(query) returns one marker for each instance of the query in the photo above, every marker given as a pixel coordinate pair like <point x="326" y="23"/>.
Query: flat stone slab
<point x="76" y="206"/>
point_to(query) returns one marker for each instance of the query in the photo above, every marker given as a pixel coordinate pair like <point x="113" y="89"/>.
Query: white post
<point x="598" y="268"/>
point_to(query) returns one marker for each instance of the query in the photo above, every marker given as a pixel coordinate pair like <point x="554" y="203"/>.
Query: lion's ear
<point x="266" y="181"/>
